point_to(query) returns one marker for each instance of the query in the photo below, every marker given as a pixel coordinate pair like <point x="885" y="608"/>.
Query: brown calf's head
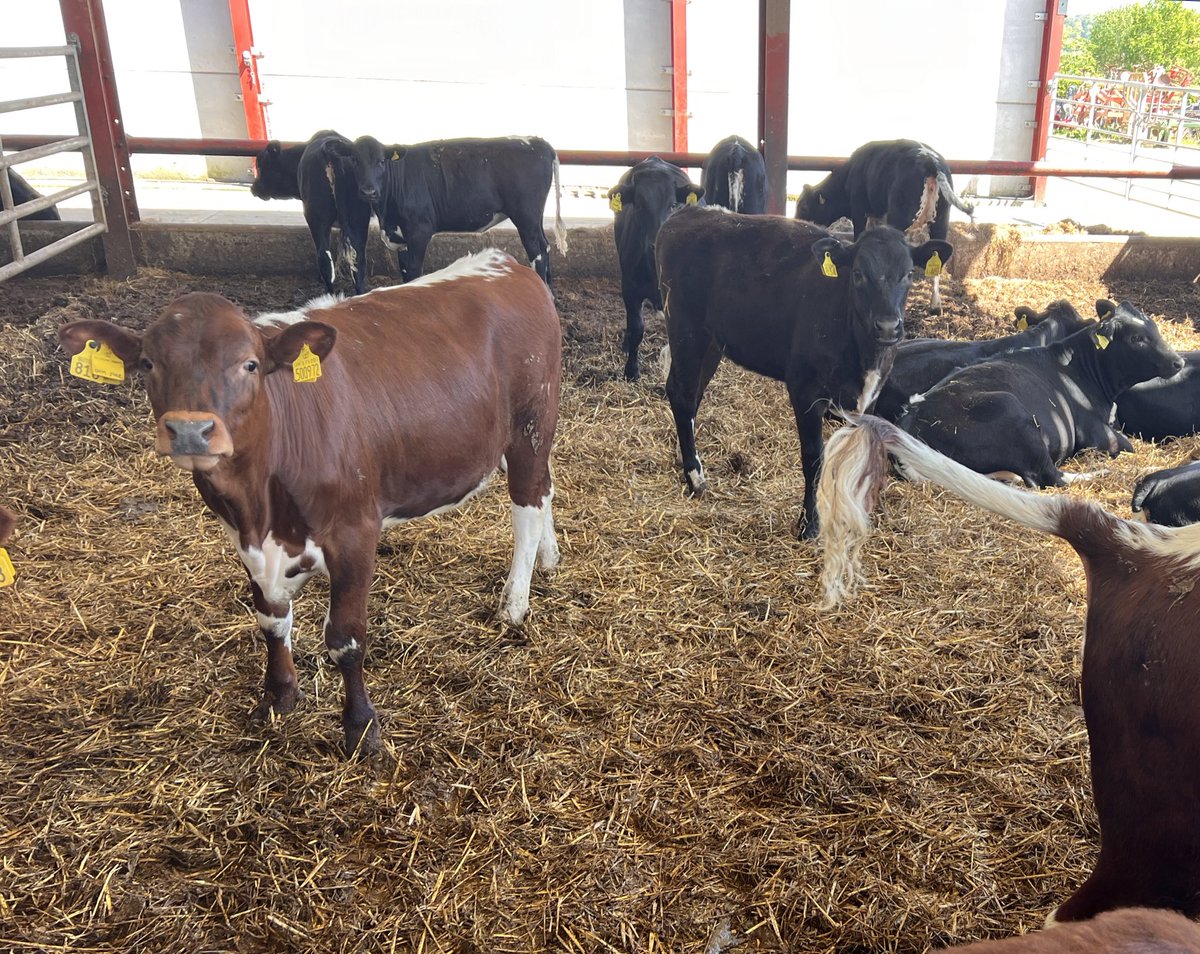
<point x="204" y="365"/>
<point x="8" y="520"/>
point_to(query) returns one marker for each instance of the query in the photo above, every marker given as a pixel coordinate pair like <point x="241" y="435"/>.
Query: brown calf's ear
<point x="1105" y="308"/>
<point x="8" y="520"/>
<point x="286" y="346"/>
<point x="124" y="344"/>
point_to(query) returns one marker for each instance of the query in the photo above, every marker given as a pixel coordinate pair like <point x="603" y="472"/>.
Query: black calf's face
<point x="880" y="264"/>
<point x="655" y="190"/>
<point x="1132" y="345"/>
<point x="367" y="158"/>
<point x="271" y="180"/>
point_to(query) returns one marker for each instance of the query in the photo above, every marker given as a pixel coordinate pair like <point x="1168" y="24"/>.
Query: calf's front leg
<point x="350" y="572"/>
<point x="810" y="414"/>
<point x="281" y="691"/>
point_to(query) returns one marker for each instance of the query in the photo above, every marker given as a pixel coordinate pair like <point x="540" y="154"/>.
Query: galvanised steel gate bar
<point x="10" y="212"/>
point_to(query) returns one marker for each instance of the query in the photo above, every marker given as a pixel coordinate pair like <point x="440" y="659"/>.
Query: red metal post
<point x="774" y="18"/>
<point x="679" y="75"/>
<point x="1044" y="114"/>
<point x="253" y="102"/>
<point x="83" y="22"/>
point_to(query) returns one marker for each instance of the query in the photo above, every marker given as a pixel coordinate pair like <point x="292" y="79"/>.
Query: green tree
<point x="1139" y="36"/>
<point x="1076" y="58"/>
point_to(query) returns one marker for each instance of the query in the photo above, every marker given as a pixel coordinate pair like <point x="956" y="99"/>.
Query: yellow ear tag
<point x="1102" y="342"/>
<point x="1022" y="323"/>
<point x="7" y="573"/>
<point x="691" y="199"/>
<point x="307" y="366"/>
<point x="614" y="202"/>
<point x="828" y="269"/>
<point x="933" y="267"/>
<point x="96" y="362"/>
<point x="395" y="155"/>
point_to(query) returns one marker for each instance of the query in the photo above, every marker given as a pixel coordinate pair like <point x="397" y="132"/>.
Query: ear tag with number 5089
<point x="97" y="362"/>
<point x="307" y="366"/>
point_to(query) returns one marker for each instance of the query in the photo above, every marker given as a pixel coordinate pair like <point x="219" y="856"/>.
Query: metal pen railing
<point x="10" y="212"/>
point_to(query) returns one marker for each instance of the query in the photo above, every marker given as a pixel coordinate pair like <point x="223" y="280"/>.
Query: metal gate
<point x="9" y="211"/>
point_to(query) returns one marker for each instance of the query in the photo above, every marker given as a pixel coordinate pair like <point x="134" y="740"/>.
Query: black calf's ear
<point x="922" y="255"/>
<point x="336" y="148"/>
<point x="273" y="147"/>
<point x="619" y="197"/>
<point x="831" y="253"/>
<point x="1105" y="308"/>
<point x="289" y="344"/>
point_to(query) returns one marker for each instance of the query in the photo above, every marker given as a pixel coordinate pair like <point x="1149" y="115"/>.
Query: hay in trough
<point x="675" y="753"/>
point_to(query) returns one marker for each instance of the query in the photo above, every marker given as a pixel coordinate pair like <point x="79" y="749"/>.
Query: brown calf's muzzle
<point x="194" y="440"/>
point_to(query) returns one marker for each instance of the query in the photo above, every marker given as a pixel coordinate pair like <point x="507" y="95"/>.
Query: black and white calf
<point x="734" y="176"/>
<point x="923" y="362"/>
<point x="457" y="185"/>
<point x="310" y="172"/>
<point x="786" y="300"/>
<point x="902" y="182"/>
<point x="1169" y="497"/>
<point x="1165" y="407"/>
<point x="642" y="200"/>
<point x="1024" y="413"/>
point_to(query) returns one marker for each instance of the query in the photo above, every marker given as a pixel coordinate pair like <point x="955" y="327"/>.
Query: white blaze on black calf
<point x="1164" y="407"/>
<point x="734" y="176"/>
<point x="457" y="185"/>
<point x="1141" y="659"/>
<point x="751" y="288"/>
<point x="309" y="173"/>
<point x="901" y="182"/>
<point x="1024" y="413"/>
<point x="922" y="363"/>
<point x="643" y="200"/>
<point x="425" y="390"/>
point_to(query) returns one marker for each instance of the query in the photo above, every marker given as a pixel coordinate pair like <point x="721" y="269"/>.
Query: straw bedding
<point x="675" y="753"/>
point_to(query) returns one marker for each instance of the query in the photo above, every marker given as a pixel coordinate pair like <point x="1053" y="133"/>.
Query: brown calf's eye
<point x="251" y="366"/>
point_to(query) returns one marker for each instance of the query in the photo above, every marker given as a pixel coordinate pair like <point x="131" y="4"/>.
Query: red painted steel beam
<point x="1043" y="117"/>
<point x="253" y="103"/>
<point x="679" y="76"/>
<point x="591" y="157"/>
<point x="774" y="18"/>
<point x="83" y="22"/>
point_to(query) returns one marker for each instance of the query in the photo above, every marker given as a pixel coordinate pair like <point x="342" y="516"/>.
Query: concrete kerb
<point x="981" y="250"/>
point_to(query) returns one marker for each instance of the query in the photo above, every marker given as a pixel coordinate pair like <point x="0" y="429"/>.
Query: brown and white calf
<point x="1141" y="657"/>
<point x="426" y="389"/>
<point x="1128" y="931"/>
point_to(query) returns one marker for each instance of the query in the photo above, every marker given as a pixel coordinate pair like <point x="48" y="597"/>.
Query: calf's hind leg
<point x="531" y="489"/>
<point x="693" y="363"/>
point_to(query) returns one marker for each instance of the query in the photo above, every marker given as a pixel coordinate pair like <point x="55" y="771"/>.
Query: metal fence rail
<point x="1151" y="126"/>
<point x="10" y="212"/>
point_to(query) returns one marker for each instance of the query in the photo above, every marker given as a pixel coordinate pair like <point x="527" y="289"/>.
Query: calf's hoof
<point x="362" y="738"/>
<point x="278" y="703"/>
<point x="695" y="482"/>
<point x="807" y="529"/>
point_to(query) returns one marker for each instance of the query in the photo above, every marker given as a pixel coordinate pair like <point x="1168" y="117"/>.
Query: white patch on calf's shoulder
<point x="488" y="264"/>
<point x="298" y="314"/>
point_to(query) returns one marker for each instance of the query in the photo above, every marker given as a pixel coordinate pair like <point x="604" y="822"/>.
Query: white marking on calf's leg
<point x="528" y="528"/>
<point x="547" y="552"/>
<point x="338" y="653"/>
<point x="275" y="627"/>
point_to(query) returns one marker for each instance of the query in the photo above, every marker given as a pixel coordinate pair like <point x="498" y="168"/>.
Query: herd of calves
<point x="307" y="432"/>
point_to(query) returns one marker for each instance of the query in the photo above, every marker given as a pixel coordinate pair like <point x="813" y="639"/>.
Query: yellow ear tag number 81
<point x="828" y="269"/>
<point x="96" y="362"/>
<point x="7" y="573"/>
<point x="933" y="267"/>
<point x="307" y="366"/>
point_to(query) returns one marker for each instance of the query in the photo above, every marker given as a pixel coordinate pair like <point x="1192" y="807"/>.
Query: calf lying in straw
<point x="1141" y="660"/>
<point x="1128" y="931"/>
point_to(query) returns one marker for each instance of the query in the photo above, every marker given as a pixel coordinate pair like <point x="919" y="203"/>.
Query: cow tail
<point x="853" y="473"/>
<point x="560" y="233"/>
<point x="737" y="189"/>
<point x="927" y="211"/>
<point x="952" y="197"/>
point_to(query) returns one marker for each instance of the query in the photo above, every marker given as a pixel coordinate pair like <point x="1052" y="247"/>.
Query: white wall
<point x="584" y="74"/>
